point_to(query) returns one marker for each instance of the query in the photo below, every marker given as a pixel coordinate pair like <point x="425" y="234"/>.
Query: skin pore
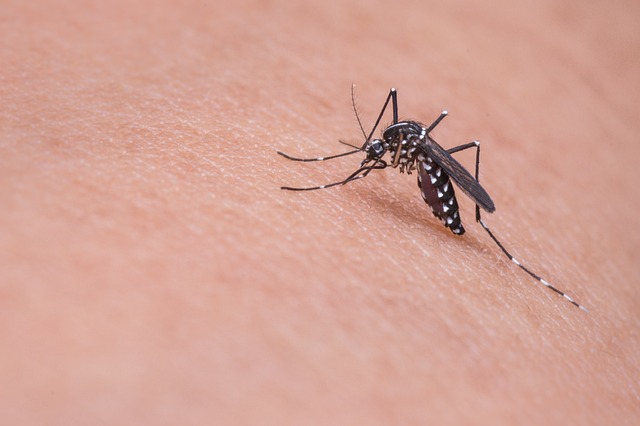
<point x="153" y="272"/>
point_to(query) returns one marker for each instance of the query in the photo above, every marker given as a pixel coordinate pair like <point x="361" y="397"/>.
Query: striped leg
<point x="358" y="174"/>
<point x="331" y="157"/>
<point x="476" y="144"/>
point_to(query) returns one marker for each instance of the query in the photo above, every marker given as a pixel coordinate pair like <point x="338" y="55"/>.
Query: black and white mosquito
<point x="411" y="147"/>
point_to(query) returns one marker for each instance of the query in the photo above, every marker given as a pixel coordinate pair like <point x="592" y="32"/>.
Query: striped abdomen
<point x="438" y="193"/>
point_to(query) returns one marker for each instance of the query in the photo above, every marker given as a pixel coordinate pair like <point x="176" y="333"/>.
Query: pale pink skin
<point x="151" y="271"/>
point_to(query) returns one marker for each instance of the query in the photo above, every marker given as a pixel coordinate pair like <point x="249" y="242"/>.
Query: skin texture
<point x="152" y="272"/>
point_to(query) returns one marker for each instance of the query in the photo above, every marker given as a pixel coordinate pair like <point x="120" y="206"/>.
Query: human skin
<point x="152" y="271"/>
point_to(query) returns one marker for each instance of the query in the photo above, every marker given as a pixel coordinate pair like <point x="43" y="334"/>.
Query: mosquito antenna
<point x="344" y="154"/>
<point x="348" y="144"/>
<point x="355" y="109"/>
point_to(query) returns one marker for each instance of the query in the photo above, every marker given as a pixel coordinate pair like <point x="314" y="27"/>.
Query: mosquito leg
<point x="476" y="144"/>
<point x="313" y="188"/>
<point x="463" y="147"/>
<point x="355" y="109"/>
<point x="378" y="165"/>
<point x="354" y="176"/>
<point x="393" y="97"/>
<point x="524" y="268"/>
<point x="443" y="114"/>
<point x="331" y="157"/>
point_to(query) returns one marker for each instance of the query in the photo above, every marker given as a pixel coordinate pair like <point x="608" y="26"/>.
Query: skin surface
<point x="152" y="271"/>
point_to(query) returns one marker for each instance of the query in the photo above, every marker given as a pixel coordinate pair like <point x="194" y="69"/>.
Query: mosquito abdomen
<point x="437" y="192"/>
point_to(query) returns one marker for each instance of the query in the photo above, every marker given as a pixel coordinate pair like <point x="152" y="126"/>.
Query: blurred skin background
<point x="152" y="271"/>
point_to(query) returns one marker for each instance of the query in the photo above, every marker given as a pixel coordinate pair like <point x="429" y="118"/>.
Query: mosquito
<point x="411" y="148"/>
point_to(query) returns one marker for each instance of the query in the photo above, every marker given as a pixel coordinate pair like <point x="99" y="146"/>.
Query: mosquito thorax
<point x="404" y="128"/>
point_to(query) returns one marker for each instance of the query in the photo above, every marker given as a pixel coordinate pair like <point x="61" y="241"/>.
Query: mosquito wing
<point x="461" y="176"/>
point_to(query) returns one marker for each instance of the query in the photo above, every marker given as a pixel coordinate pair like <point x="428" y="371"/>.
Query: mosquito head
<point x="375" y="149"/>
